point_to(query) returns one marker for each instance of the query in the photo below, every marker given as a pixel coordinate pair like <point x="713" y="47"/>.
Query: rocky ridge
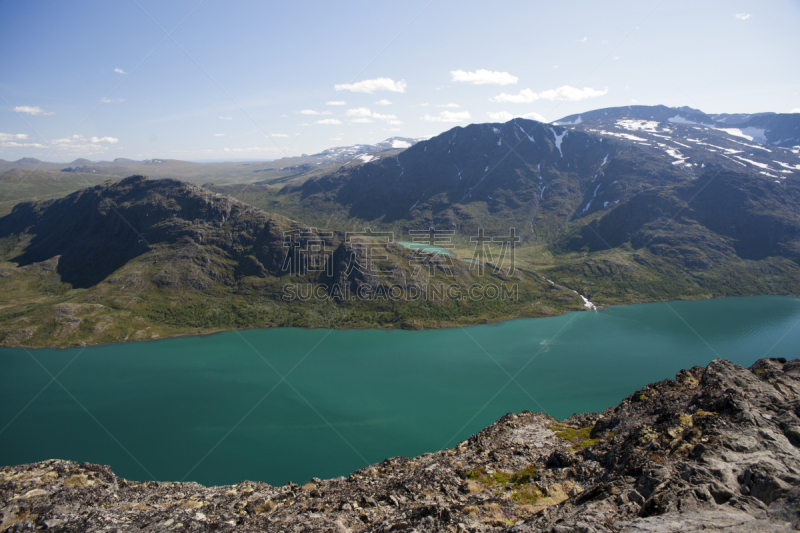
<point x="715" y="449"/>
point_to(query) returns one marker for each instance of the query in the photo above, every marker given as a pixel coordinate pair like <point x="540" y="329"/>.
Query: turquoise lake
<point x="216" y="410"/>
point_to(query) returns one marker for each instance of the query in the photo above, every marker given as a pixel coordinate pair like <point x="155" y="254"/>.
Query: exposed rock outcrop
<point x="715" y="449"/>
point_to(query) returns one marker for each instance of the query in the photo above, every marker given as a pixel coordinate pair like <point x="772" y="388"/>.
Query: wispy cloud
<point x="742" y="16"/>
<point x="448" y="116"/>
<point x="525" y="96"/>
<point x="31" y="110"/>
<point x="119" y="71"/>
<point x="505" y="116"/>
<point x="111" y="100"/>
<point x="383" y="102"/>
<point x="336" y="102"/>
<point x="80" y="144"/>
<point x="219" y="135"/>
<point x="13" y="136"/>
<point x="226" y="118"/>
<point x="571" y="94"/>
<point x="484" y="77"/>
<point x="328" y="121"/>
<point x="278" y="135"/>
<point x="9" y="140"/>
<point x="361" y="120"/>
<point x="448" y="105"/>
<point x="370" y="86"/>
<point x="312" y="112"/>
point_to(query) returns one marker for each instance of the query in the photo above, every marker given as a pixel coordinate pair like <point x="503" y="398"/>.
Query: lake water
<point x="216" y="410"/>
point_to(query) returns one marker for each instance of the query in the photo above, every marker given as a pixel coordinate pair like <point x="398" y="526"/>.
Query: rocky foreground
<point x="716" y="449"/>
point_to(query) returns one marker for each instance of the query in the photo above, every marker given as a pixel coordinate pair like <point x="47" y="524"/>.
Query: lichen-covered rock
<point x="713" y="450"/>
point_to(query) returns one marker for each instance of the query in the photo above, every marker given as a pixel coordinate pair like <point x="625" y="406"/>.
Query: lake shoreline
<point x="597" y="308"/>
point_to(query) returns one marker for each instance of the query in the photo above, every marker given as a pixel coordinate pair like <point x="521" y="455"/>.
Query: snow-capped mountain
<point x="776" y="129"/>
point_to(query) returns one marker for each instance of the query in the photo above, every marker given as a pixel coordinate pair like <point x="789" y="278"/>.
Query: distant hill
<point x="19" y="185"/>
<point x="54" y="180"/>
<point x="281" y="170"/>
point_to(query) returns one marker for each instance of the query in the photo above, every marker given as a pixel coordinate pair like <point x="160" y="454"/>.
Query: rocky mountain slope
<point x="714" y="450"/>
<point x="142" y="258"/>
<point x="627" y="209"/>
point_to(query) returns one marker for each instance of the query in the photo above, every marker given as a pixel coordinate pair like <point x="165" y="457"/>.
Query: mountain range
<point x="614" y="206"/>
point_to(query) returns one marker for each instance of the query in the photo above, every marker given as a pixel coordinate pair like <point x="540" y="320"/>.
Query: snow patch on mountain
<point x="750" y="133"/>
<point x="559" y="139"/>
<point x="754" y="163"/>
<point x="633" y="125"/>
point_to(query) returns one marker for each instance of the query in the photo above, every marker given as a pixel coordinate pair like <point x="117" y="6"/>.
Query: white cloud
<point x="336" y="102"/>
<point x="742" y="16"/>
<point x="72" y="139"/>
<point x="500" y="116"/>
<point x="484" y="77"/>
<point x="795" y="110"/>
<point x="448" y="105"/>
<point x="13" y="136"/>
<point x="80" y="144"/>
<point x="226" y="118"/>
<point x="312" y="112"/>
<point x="31" y="110"/>
<point x="219" y="135"/>
<point x="365" y="112"/>
<point x="383" y="102"/>
<point x="534" y="116"/>
<point x="571" y="94"/>
<point x="9" y="140"/>
<point x="119" y="71"/>
<point x="505" y="116"/>
<point x="279" y="135"/>
<point x="394" y="122"/>
<point x="361" y="120"/>
<point x="448" y="116"/>
<point x="583" y="40"/>
<point x="359" y="112"/>
<point x="329" y="121"/>
<point x="370" y="86"/>
<point x="336" y="138"/>
<point x="525" y="96"/>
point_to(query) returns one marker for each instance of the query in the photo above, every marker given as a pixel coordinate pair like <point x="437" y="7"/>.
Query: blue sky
<point x="254" y="80"/>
